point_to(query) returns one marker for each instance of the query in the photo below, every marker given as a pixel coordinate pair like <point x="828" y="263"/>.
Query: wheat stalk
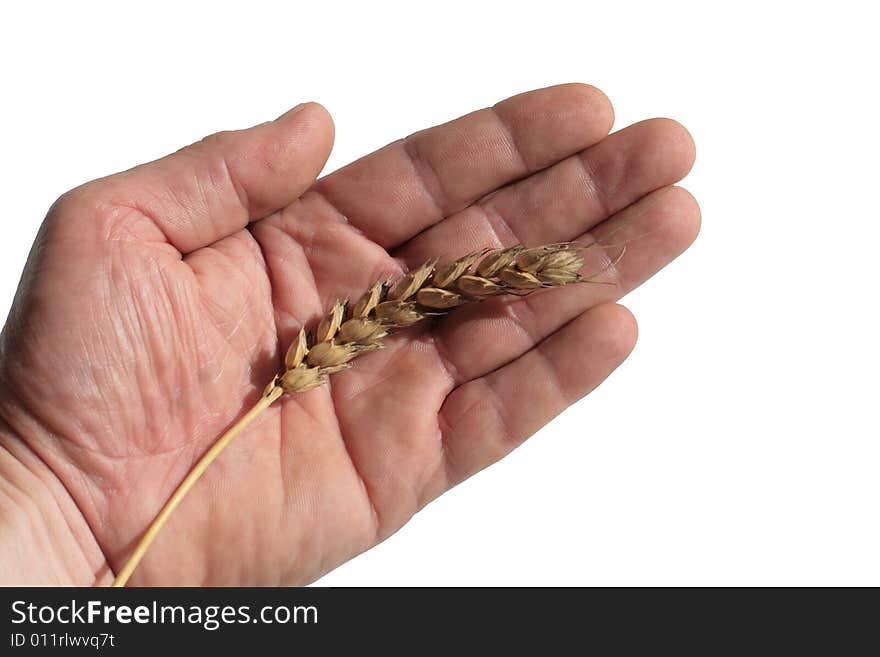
<point x="349" y="330"/>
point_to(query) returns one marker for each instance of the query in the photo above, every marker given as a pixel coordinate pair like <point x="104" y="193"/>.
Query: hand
<point x="158" y="302"/>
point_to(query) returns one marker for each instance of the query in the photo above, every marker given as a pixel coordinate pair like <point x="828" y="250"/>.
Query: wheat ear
<point x="349" y="330"/>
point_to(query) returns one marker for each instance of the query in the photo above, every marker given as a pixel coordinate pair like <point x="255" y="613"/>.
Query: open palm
<point x="158" y="302"/>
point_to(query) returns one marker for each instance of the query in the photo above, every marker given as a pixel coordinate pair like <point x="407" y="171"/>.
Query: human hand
<point x="158" y="302"/>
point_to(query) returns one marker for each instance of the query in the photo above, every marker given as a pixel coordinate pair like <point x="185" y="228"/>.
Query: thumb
<point x="213" y="188"/>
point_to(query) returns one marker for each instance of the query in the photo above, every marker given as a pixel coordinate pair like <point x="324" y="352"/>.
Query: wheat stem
<point x="350" y="330"/>
<point x="269" y="396"/>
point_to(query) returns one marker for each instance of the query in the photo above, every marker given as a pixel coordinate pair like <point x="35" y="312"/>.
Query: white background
<point x="740" y="443"/>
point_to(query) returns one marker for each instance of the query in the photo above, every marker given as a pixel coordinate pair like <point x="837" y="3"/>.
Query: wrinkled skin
<point x="157" y="303"/>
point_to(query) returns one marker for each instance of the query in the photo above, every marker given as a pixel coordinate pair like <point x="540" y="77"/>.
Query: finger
<point x="484" y="419"/>
<point x="213" y="188"/>
<point x="570" y="197"/>
<point x="410" y="184"/>
<point x="480" y="338"/>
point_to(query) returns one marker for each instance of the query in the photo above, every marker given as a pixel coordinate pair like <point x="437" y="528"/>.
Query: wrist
<point x="44" y="539"/>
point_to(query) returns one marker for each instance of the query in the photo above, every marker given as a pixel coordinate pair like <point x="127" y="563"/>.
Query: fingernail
<point x="291" y="112"/>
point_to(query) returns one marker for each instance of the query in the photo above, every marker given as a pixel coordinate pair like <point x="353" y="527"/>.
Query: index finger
<point x="403" y="188"/>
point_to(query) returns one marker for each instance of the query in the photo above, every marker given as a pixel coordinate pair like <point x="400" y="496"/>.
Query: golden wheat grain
<point x="349" y="330"/>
